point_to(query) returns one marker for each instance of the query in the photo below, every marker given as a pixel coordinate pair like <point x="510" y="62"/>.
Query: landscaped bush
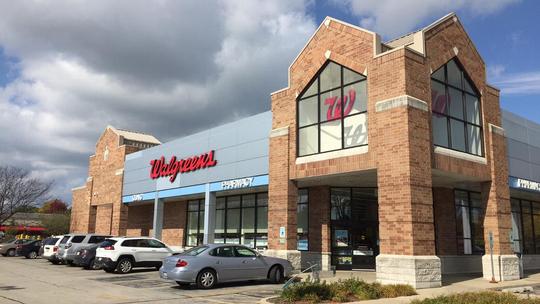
<point x="486" y="297"/>
<point x="341" y="291"/>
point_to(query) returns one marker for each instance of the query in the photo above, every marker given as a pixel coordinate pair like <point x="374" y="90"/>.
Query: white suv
<point x="122" y="254"/>
<point x="50" y="248"/>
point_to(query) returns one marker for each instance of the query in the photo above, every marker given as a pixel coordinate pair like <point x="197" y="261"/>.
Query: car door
<point x="144" y="251"/>
<point x="158" y="250"/>
<point x="253" y="267"/>
<point x="223" y="260"/>
<point x="131" y="247"/>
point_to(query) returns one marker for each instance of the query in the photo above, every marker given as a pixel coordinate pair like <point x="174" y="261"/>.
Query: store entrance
<point x="355" y="228"/>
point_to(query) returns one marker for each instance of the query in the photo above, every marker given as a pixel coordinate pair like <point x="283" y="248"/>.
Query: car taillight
<point x="19" y="247"/>
<point x="181" y="263"/>
<point x="55" y="249"/>
<point x="110" y="247"/>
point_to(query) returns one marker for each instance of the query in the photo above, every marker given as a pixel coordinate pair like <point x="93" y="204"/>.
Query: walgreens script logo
<point x="335" y="103"/>
<point x="160" y="168"/>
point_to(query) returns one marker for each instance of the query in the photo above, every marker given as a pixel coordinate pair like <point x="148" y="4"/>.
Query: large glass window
<point x="302" y="216"/>
<point x="456" y="119"/>
<point x="195" y="223"/>
<point x="469" y="222"/>
<point x="525" y="226"/>
<point x="242" y="219"/>
<point x="332" y="111"/>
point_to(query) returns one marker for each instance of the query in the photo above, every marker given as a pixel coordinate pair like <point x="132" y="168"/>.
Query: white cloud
<point x="168" y="68"/>
<point x="518" y="83"/>
<point x="396" y="17"/>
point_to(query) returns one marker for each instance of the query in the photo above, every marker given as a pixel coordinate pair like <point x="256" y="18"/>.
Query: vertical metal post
<point x="491" y="256"/>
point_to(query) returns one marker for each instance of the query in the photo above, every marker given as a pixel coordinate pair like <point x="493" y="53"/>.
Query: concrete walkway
<point x="451" y="284"/>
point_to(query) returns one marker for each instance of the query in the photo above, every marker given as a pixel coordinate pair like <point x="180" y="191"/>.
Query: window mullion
<point x="342" y="105"/>
<point x="318" y="114"/>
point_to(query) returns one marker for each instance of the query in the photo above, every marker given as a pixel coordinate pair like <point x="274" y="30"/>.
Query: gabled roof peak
<point x="135" y="136"/>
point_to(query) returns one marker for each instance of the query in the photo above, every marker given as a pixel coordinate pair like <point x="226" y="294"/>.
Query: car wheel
<point x="92" y="265"/>
<point x="55" y="262"/>
<point x="32" y="255"/>
<point x="276" y="275"/>
<point x="206" y="279"/>
<point x="108" y="270"/>
<point x="124" y="265"/>
<point x="69" y="263"/>
<point x="11" y="253"/>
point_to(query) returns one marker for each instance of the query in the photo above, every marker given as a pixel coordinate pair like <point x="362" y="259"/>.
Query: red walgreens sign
<point x="160" y="168"/>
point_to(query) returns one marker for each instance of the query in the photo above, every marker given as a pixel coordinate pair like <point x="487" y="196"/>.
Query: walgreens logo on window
<point x="161" y="168"/>
<point x="440" y="101"/>
<point x="335" y="104"/>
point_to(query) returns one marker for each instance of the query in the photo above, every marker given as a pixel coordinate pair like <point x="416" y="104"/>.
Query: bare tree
<point x="18" y="189"/>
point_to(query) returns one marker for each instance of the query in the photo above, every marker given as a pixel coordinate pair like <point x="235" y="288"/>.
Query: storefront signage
<point x="334" y="105"/>
<point x="237" y="183"/>
<point x="527" y="184"/>
<point x="160" y="167"/>
<point x="137" y="197"/>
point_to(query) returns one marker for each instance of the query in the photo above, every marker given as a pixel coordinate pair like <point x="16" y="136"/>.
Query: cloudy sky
<point x="170" y="68"/>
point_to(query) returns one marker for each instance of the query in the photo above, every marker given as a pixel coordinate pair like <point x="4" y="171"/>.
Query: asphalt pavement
<point x="38" y="281"/>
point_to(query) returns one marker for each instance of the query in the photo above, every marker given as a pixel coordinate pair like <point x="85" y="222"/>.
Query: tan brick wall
<point x="101" y="210"/>
<point x="282" y="197"/>
<point x="319" y="219"/>
<point x="445" y="221"/>
<point x="140" y="220"/>
<point x="80" y="210"/>
<point x="174" y="223"/>
<point x="103" y="219"/>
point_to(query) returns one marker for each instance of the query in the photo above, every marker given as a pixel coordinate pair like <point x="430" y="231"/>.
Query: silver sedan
<point x="209" y="264"/>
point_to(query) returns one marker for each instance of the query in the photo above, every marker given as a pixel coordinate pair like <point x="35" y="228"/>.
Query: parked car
<point x="50" y="249"/>
<point x="209" y="264"/>
<point x="10" y="248"/>
<point x="68" y="249"/>
<point x="85" y="257"/>
<point x="122" y="254"/>
<point x="29" y="250"/>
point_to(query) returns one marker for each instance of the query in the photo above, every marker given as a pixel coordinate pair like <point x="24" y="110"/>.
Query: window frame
<point x="318" y="124"/>
<point x="521" y="231"/>
<point x="199" y="234"/>
<point x="303" y="234"/>
<point x="471" y="226"/>
<point x="255" y="208"/>
<point x="447" y="86"/>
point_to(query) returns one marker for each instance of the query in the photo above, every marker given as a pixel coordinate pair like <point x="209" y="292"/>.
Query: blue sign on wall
<point x="523" y="184"/>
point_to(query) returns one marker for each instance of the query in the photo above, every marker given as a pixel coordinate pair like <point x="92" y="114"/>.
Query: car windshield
<point x="195" y="251"/>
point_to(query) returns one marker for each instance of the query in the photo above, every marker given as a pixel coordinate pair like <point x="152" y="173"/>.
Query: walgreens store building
<point x="388" y="156"/>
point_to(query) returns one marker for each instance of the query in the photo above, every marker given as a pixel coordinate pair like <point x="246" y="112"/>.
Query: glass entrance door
<point x="354" y="228"/>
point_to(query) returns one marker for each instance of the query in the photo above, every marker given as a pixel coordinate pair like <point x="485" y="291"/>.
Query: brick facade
<point x="415" y="180"/>
<point x="412" y="178"/>
<point x="97" y="206"/>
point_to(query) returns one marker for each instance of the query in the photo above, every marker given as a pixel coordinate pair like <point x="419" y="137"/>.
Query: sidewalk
<point x="451" y="284"/>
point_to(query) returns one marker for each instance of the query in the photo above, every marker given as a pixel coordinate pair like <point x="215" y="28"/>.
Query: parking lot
<point x="38" y="281"/>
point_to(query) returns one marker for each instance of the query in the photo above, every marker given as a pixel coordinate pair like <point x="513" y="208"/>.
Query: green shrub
<point x="486" y="297"/>
<point x="312" y="291"/>
<point x="394" y="291"/>
<point x="342" y="291"/>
